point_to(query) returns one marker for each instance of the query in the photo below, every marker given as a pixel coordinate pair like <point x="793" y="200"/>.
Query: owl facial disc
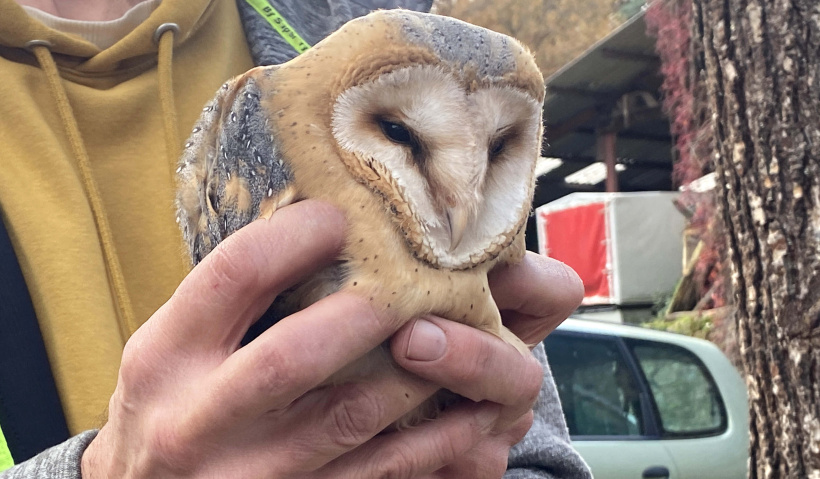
<point x="459" y="156"/>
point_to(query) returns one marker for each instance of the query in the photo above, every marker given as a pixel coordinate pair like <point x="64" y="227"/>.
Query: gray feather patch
<point x="460" y="43"/>
<point x="233" y="162"/>
<point x="248" y="152"/>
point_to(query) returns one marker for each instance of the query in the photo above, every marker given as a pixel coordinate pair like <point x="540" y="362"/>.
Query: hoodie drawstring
<point x="41" y="49"/>
<point x="164" y="37"/>
<point x="115" y="276"/>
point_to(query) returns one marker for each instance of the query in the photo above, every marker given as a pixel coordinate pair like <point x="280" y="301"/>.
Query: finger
<point x="472" y="363"/>
<point x="536" y="295"/>
<point x="234" y="285"/>
<point x="518" y="429"/>
<point x="297" y="354"/>
<point x="488" y="458"/>
<point x="330" y="421"/>
<point x="420" y="450"/>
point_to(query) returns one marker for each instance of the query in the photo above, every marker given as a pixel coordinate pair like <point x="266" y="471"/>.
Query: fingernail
<point x="427" y="342"/>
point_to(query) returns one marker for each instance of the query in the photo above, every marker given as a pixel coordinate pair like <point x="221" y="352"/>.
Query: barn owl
<point x="423" y="130"/>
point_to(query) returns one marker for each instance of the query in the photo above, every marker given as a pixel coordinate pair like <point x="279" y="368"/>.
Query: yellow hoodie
<point x="89" y="297"/>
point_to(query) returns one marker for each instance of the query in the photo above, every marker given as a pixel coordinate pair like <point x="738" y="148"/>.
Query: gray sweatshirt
<point x="544" y="453"/>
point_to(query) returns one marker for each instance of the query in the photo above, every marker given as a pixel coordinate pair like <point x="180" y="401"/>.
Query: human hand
<point x="189" y="404"/>
<point x="473" y="438"/>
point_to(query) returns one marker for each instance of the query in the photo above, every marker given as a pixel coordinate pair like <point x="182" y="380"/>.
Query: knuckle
<point x="171" y="447"/>
<point x="480" y="355"/>
<point x="532" y="380"/>
<point x="136" y="366"/>
<point x="496" y="464"/>
<point x="370" y="317"/>
<point x="575" y="287"/>
<point x="228" y="269"/>
<point x="442" y="447"/>
<point x="276" y="375"/>
<point x="355" y="416"/>
<point x="487" y="460"/>
<point x="521" y="428"/>
<point x="130" y="370"/>
<point x="398" y="463"/>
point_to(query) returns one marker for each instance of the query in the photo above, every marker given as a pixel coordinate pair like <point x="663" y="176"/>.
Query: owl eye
<point x="396" y="132"/>
<point x="496" y="147"/>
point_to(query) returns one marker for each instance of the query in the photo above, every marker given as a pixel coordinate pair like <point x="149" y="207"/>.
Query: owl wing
<point x="231" y="171"/>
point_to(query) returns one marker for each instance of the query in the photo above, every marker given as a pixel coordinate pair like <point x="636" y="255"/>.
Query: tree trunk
<point x="762" y="62"/>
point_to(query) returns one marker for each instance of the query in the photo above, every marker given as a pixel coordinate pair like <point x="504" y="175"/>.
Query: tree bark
<point x="762" y="62"/>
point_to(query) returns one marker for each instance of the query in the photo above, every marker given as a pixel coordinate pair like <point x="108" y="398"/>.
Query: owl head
<point x="439" y="118"/>
<point x="443" y="120"/>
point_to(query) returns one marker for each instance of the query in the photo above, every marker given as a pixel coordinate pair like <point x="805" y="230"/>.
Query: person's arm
<point x="59" y="462"/>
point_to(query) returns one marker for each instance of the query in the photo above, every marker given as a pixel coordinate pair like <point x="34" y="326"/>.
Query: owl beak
<point x="457" y="219"/>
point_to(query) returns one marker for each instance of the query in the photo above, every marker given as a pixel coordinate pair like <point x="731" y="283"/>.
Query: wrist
<point x="90" y="464"/>
<point x="98" y="460"/>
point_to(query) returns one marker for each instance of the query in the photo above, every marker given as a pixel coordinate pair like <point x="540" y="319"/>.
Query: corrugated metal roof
<point x="613" y="86"/>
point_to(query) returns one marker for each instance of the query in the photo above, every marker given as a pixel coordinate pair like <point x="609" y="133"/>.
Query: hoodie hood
<point x="81" y="57"/>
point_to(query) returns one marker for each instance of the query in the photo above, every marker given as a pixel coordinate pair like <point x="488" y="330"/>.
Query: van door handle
<point x="656" y="472"/>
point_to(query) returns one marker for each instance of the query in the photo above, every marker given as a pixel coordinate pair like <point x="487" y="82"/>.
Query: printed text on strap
<point x="278" y="22"/>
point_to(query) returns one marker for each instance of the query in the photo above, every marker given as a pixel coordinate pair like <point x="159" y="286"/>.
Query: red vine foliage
<point x="671" y="22"/>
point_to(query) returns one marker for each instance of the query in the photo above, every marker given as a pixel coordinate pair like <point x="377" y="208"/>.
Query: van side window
<point x="685" y="395"/>
<point x="598" y="391"/>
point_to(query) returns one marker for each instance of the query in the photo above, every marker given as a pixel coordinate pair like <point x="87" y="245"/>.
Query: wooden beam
<point x="618" y="122"/>
<point x="555" y="132"/>
<point x="600" y="96"/>
<point x="618" y="54"/>
<point x="626" y="135"/>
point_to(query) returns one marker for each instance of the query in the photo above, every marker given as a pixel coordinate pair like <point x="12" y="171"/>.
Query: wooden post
<point x="606" y="154"/>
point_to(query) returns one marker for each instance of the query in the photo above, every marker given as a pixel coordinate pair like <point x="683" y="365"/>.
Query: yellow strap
<point x="279" y="24"/>
<point x="5" y="455"/>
